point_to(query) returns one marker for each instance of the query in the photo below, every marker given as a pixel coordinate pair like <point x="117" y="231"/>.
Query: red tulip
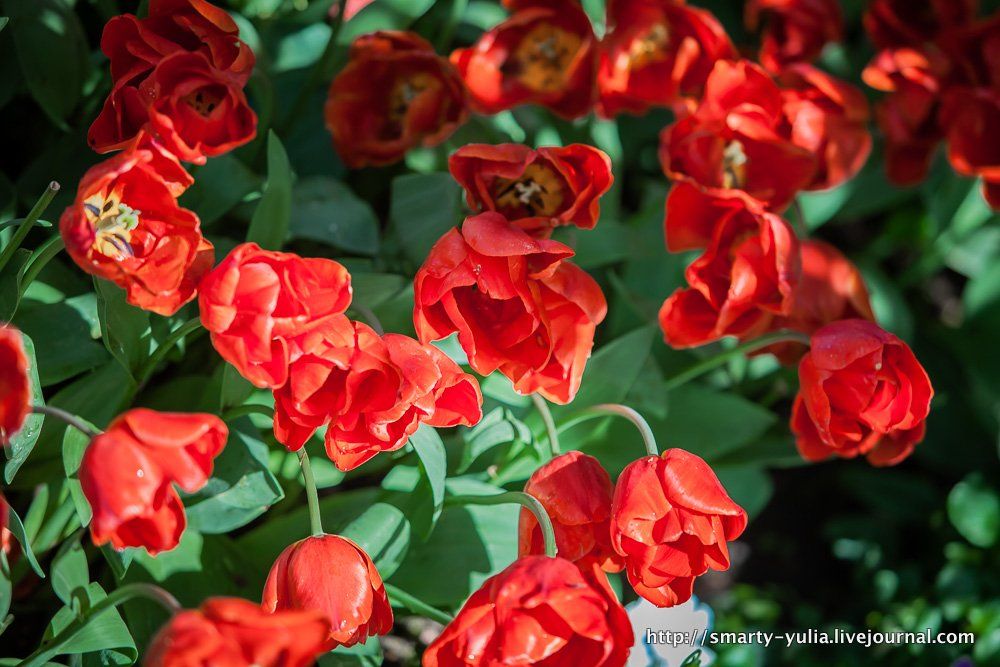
<point x="972" y="119"/>
<point x="534" y="189"/>
<point x="126" y="226"/>
<point x="135" y="47"/>
<point x="795" y="31"/>
<point x="745" y="277"/>
<point x="127" y="474"/>
<point x="394" y="94"/>
<point x="332" y="575"/>
<point x="862" y="392"/>
<point x="373" y="393"/>
<point x="231" y="632"/>
<point x="15" y="384"/>
<point x="265" y="309"/>
<point x="575" y="490"/>
<point x="6" y="536"/>
<point x="538" y="611"/>
<point x="517" y="307"/>
<point x="908" y="116"/>
<point x="830" y="288"/>
<point x="656" y="52"/>
<point x="545" y="54"/>
<point x="735" y="139"/>
<point x="828" y="117"/>
<point x="900" y="23"/>
<point x="671" y="520"/>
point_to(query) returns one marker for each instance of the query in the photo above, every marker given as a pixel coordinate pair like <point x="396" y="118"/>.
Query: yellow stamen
<point x="649" y="46"/>
<point x="113" y="221"/>
<point x="543" y="57"/>
<point x="539" y="190"/>
<point x="734" y="166"/>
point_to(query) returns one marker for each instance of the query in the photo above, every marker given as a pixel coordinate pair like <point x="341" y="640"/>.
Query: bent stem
<point x="702" y="367"/>
<point x="63" y="416"/>
<point x="614" y="409"/>
<point x="523" y="499"/>
<point x="161" y="351"/>
<point x="115" y="598"/>
<point x="416" y="605"/>
<point x="551" y="432"/>
<point x="29" y="221"/>
<point x="312" y="496"/>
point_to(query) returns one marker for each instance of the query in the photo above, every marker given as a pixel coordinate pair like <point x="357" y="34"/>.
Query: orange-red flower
<point x="545" y="54"/>
<point x="128" y="472"/>
<point x="538" y="611"/>
<point x="394" y="94"/>
<point x="575" y="490"/>
<point x="373" y="393"/>
<point x="972" y="119"/>
<point x="15" y="385"/>
<point x="126" y="226"/>
<point x="862" y="392"/>
<point x="670" y="520"/>
<point x="232" y="632"/>
<point x="135" y="47"/>
<point x="332" y="575"/>
<point x="743" y="280"/>
<point x="737" y="140"/>
<point x="6" y="537"/>
<point x="795" y="30"/>
<point x="830" y="288"/>
<point x="535" y="189"/>
<point x="828" y="117"/>
<point x="900" y="23"/>
<point x="908" y="116"/>
<point x="656" y="52"/>
<point x="516" y="306"/>
<point x="265" y="309"/>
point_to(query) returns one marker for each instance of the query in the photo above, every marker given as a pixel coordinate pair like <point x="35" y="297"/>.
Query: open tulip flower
<point x="795" y="31"/>
<point x="863" y="392"/>
<point x="128" y="473"/>
<point x="538" y="611"/>
<point x="394" y="94"/>
<point x="15" y="385"/>
<point x="545" y="53"/>
<point x="231" y="632"/>
<point x="335" y="576"/>
<point x="657" y="53"/>
<point x="126" y="226"/>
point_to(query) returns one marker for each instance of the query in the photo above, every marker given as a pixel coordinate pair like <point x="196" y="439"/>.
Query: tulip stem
<point x="42" y="256"/>
<point x="63" y="416"/>
<point x="552" y="433"/>
<point x="702" y="367"/>
<point x="614" y="409"/>
<point x="113" y="599"/>
<point x="312" y="496"/>
<point x="178" y="334"/>
<point x="523" y="499"/>
<point x="29" y="221"/>
<point x="417" y="606"/>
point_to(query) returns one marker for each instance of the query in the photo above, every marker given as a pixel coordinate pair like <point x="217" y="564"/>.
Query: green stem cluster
<point x="29" y="221"/>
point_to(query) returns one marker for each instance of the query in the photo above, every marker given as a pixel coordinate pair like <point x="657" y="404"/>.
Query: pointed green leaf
<point x="270" y="223"/>
<point x="15" y="526"/>
<point x="21" y="443"/>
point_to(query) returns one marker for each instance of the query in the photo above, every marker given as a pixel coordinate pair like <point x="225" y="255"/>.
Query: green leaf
<point x="328" y="211"/>
<point x="374" y="289"/>
<point x="63" y="331"/>
<point x="16" y="528"/>
<point x="497" y="427"/>
<point x="124" y="327"/>
<point x="69" y="572"/>
<point x="19" y="445"/>
<point x="10" y="284"/>
<point x="106" y="633"/>
<point x="383" y="531"/>
<point x="16" y="222"/>
<point x="422" y="209"/>
<point x="433" y="471"/>
<point x="52" y="50"/>
<point x="270" y="222"/>
<point x="974" y="510"/>
<point x="749" y="486"/>
<point x="383" y="15"/>
<point x="368" y="654"/>
<point x="74" y="445"/>
<point x="6" y="591"/>
<point x="119" y="560"/>
<point x="241" y="487"/>
<point x="219" y="186"/>
<point x="711" y="423"/>
<point x="613" y="370"/>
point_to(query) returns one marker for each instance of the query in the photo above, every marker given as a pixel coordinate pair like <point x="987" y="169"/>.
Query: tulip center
<point x="649" y="46"/>
<point x="543" y="57"/>
<point x="203" y="101"/>
<point x="113" y="221"/>
<point x="734" y="166"/>
<point x="404" y="92"/>
<point x="538" y="191"/>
